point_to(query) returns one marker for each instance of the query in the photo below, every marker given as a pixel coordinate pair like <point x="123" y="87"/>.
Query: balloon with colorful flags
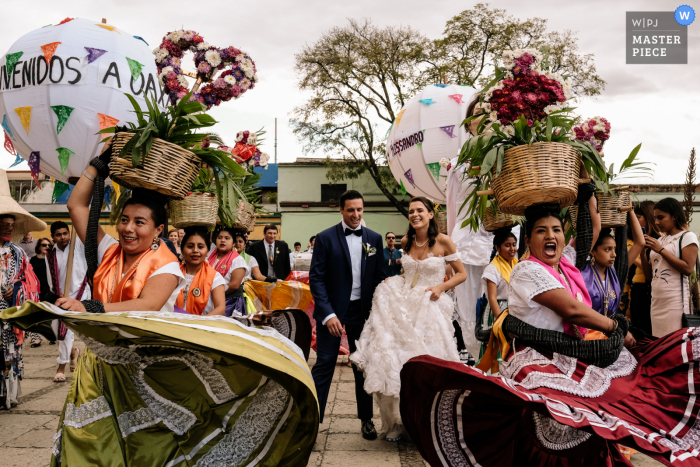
<point x="427" y="130"/>
<point x="62" y="83"/>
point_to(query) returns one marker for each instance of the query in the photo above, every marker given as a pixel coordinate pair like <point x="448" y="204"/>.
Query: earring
<point x="155" y="244"/>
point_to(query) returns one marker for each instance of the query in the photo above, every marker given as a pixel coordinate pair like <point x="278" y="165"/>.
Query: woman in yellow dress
<point x="169" y="389"/>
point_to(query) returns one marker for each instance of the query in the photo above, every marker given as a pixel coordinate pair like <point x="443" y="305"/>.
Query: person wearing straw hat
<point x="17" y="284"/>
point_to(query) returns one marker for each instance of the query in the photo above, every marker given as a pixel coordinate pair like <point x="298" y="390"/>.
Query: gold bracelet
<point x="88" y="176"/>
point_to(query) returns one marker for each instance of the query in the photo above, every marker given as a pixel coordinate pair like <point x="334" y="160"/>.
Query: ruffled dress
<point x="403" y="324"/>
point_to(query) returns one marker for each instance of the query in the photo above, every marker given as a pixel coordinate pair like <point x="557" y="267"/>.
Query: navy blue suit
<point x="330" y="280"/>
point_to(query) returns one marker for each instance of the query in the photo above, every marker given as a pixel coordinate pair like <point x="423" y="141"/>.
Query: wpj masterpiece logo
<point x="658" y="37"/>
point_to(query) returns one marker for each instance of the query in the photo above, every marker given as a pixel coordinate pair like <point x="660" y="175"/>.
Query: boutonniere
<point x="277" y="251"/>
<point x="369" y="250"/>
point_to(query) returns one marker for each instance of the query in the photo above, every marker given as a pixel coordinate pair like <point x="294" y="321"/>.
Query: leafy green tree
<point x="474" y="41"/>
<point x="360" y="76"/>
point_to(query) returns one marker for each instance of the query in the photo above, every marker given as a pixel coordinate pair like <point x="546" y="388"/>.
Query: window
<point x="331" y="193"/>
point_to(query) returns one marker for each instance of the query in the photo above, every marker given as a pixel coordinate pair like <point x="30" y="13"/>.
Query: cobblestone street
<point x="28" y="430"/>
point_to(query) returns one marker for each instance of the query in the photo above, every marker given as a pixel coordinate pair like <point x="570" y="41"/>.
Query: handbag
<point x="689" y="320"/>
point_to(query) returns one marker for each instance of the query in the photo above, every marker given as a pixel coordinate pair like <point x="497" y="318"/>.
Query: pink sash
<point x="577" y="290"/>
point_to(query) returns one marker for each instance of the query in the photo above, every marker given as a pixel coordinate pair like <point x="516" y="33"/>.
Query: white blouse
<point x="491" y="274"/>
<point x="528" y="280"/>
<point x="218" y="281"/>
<point x="252" y="263"/>
<point x="170" y="268"/>
<point x="238" y="263"/>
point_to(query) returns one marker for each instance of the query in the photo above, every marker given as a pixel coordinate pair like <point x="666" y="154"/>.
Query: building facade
<point x="309" y="202"/>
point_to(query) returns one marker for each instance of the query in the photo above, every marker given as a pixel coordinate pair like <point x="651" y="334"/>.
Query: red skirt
<point x="549" y="410"/>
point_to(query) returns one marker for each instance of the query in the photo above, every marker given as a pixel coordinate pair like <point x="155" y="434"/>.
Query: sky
<point x="656" y="105"/>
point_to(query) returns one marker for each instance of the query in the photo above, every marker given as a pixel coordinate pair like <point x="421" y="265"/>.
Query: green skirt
<point x="166" y="389"/>
<point x="488" y="320"/>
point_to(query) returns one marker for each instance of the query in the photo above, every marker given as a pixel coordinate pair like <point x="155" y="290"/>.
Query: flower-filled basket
<point x="537" y="173"/>
<point x="524" y="151"/>
<point x="194" y="209"/>
<point x="180" y="165"/>
<point x="613" y="209"/>
<point x="495" y="219"/>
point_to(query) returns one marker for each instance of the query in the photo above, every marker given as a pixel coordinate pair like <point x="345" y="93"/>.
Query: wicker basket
<point x="497" y="221"/>
<point x="194" y="209"/>
<point x="168" y="169"/>
<point x="537" y="173"/>
<point x="246" y="218"/>
<point x="441" y="219"/>
<point x="609" y="209"/>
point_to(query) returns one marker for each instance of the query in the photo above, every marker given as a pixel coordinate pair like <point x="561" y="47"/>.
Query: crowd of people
<point x="486" y="348"/>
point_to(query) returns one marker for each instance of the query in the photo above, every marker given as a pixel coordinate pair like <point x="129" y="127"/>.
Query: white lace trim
<point x="449" y="441"/>
<point x="250" y="429"/>
<point x="556" y="436"/>
<point x="533" y="278"/>
<point x="56" y="447"/>
<point x="594" y="383"/>
<point x="448" y="258"/>
<point x="89" y="412"/>
<point x="173" y="415"/>
<point x="261" y="331"/>
<point x="131" y="422"/>
<point x="201" y="365"/>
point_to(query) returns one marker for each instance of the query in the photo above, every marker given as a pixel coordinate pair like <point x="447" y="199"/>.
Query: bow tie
<point x="357" y="232"/>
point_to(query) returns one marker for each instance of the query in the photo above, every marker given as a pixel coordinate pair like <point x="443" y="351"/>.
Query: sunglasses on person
<point x="45" y="245"/>
<point x="391" y="238"/>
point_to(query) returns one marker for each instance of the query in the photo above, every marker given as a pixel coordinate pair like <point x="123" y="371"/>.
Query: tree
<point x="689" y="187"/>
<point x="475" y="39"/>
<point x="358" y="76"/>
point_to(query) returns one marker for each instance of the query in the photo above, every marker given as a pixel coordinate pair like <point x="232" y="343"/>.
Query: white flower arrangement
<point x="213" y="58"/>
<point x="183" y="81"/>
<point x="230" y="80"/>
<point x="203" y="45"/>
<point x="444" y="163"/>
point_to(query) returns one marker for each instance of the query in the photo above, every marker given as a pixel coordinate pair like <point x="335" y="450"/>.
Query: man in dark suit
<point x="346" y="267"/>
<point x="272" y="255"/>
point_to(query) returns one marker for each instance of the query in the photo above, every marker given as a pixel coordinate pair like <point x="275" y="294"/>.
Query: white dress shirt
<point x="355" y="248"/>
<point x="79" y="269"/>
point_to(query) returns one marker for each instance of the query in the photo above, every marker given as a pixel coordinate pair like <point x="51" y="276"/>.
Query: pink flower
<point x="171" y="75"/>
<point x="220" y="83"/>
<point x="204" y="67"/>
<point x="173" y="84"/>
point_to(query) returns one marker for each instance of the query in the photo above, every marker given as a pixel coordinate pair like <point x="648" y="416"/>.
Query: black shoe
<point x="368" y="430"/>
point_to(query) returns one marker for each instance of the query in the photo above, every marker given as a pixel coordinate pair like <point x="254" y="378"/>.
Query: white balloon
<point x="427" y="130"/>
<point x="80" y="76"/>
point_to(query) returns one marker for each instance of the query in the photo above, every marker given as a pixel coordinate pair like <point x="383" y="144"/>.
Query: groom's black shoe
<point x="368" y="430"/>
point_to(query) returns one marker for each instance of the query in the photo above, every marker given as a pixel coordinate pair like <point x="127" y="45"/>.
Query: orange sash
<point x="128" y="287"/>
<point x="202" y="281"/>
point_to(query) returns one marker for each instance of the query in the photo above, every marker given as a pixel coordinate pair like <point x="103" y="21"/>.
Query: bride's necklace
<point x="421" y="246"/>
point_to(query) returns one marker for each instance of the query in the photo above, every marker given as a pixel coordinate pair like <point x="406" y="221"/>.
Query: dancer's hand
<point x="70" y="304"/>
<point x="435" y="293"/>
<point x="334" y="327"/>
<point x="630" y="341"/>
<point x="8" y="293"/>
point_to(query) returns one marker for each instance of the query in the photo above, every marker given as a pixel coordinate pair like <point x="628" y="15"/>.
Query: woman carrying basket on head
<point x="160" y="388"/>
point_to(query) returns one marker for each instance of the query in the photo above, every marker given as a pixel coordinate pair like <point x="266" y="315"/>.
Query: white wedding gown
<point x="404" y="323"/>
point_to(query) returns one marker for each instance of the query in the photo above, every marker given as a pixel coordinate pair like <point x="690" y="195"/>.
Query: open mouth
<point x="129" y="239"/>
<point x="550" y="248"/>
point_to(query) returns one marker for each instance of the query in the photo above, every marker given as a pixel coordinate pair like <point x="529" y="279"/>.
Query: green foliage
<point x="180" y="125"/>
<point x="473" y="43"/>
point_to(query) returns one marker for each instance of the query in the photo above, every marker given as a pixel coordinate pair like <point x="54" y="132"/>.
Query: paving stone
<point x="39" y="438"/>
<point x="365" y="459"/>
<point x="51" y="401"/>
<point x="320" y="444"/>
<point x="350" y="425"/>
<point x="640" y="460"/>
<point x="355" y="442"/>
<point x="315" y="459"/>
<point x="30" y="385"/>
<point x="22" y="457"/>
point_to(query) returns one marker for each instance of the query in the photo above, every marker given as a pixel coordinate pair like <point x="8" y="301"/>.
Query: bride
<point x="410" y="315"/>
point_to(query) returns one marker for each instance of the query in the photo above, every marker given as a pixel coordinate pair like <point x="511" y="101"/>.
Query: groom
<point x="346" y="267"/>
